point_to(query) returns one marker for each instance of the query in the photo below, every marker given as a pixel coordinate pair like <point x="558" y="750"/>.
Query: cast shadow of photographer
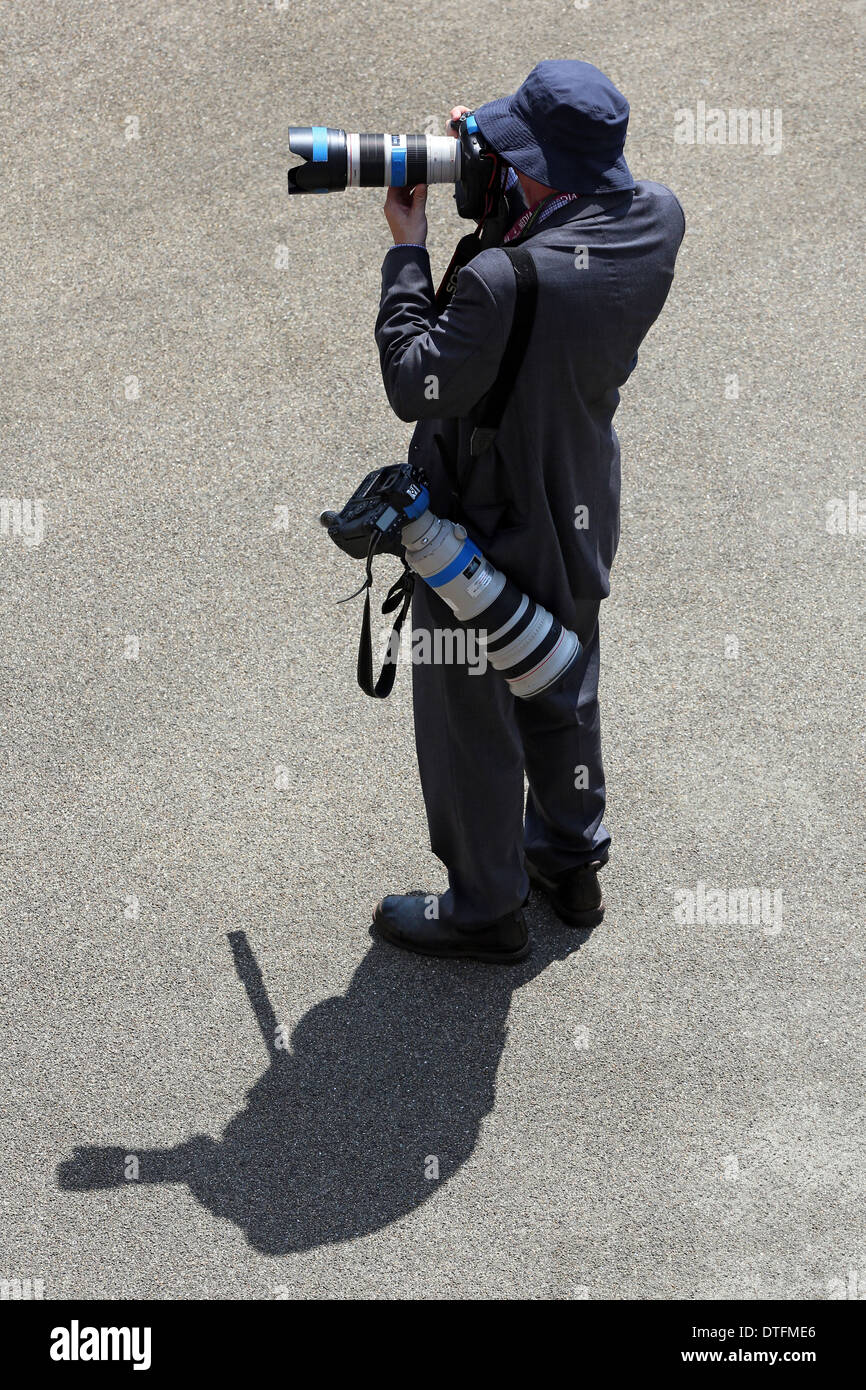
<point x="384" y="1087"/>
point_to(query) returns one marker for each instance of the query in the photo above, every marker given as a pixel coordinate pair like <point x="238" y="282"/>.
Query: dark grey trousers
<point x="475" y="740"/>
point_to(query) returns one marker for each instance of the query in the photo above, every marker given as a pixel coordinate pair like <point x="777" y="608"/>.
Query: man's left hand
<point x="406" y="215"/>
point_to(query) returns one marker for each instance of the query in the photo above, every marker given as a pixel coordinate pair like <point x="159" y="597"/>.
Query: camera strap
<point x="496" y="399"/>
<point x="489" y="232"/>
<point x="399" y="595"/>
<point x="466" y="250"/>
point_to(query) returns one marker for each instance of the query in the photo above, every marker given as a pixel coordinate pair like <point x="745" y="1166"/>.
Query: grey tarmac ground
<point x="194" y="789"/>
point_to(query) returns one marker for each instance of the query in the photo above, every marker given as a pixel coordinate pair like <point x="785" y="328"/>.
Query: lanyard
<point x="534" y="216"/>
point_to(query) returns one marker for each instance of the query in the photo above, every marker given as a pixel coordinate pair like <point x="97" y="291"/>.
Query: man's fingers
<point x="456" y="113"/>
<point x="406" y="198"/>
<point x="398" y="197"/>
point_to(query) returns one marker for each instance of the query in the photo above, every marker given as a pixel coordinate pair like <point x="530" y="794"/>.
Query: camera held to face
<point x="331" y="160"/>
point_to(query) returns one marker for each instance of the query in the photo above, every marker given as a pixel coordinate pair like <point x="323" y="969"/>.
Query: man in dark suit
<point x="542" y="502"/>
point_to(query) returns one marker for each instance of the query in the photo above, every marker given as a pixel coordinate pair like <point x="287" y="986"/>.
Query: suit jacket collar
<point x="593" y="205"/>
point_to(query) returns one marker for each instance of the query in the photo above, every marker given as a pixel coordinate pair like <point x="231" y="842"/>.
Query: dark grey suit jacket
<point x="556" y="450"/>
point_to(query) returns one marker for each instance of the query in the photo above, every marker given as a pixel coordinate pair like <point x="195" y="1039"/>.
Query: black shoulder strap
<point x="465" y="251"/>
<point x="515" y="349"/>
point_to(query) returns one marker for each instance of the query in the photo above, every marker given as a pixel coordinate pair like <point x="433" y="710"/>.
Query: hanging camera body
<point x="390" y="512"/>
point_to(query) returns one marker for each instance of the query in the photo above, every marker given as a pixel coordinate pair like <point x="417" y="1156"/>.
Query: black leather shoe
<point x="407" y="922"/>
<point x="575" y="895"/>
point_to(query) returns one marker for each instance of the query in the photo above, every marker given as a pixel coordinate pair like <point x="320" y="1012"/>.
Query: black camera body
<point x="386" y="501"/>
<point x="390" y="511"/>
<point x="481" y="170"/>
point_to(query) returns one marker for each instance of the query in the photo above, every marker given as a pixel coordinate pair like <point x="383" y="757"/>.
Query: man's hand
<point x="454" y="117"/>
<point x="405" y="209"/>
<point x="405" y="212"/>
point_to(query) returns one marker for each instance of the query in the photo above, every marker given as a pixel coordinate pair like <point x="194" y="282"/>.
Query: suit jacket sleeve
<point x="436" y="367"/>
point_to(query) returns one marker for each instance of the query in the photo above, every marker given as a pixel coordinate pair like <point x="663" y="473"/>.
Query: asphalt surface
<point x="657" y="1111"/>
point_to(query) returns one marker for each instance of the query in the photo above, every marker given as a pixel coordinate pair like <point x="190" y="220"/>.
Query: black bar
<point x="239" y="1339"/>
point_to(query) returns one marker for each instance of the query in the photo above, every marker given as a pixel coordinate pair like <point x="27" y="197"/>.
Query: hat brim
<point x="568" y="171"/>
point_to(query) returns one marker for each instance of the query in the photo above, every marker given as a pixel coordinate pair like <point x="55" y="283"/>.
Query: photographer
<point x="542" y="501"/>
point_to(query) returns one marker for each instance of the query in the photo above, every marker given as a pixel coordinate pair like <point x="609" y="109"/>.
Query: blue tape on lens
<point x="471" y="124"/>
<point x="421" y="503"/>
<point x="320" y="144"/>
<point x="451" y="571"/>
<point x="398" y="166"/>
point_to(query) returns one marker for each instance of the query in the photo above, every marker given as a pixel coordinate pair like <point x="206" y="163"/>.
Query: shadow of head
<point x="378" y="1102"/>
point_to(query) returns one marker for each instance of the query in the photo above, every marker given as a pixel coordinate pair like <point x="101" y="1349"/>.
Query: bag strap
<point x="515" y="350"/>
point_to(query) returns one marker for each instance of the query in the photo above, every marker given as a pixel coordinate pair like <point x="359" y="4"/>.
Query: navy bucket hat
<point x="565" y="127"/>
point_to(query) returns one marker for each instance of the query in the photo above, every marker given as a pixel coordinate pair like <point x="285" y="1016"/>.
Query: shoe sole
<point x="585" y="921"/>
<point x="454" y="953"/>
